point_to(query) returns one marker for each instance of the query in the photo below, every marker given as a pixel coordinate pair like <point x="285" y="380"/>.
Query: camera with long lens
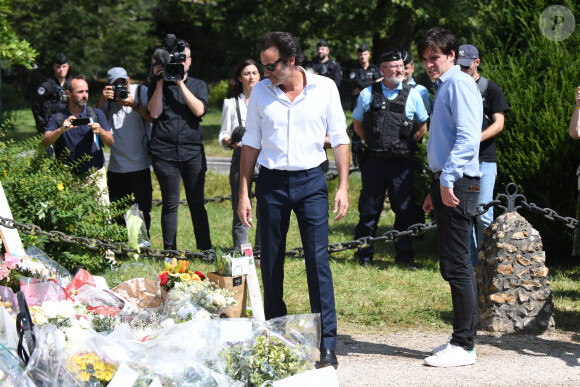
<point x="171" y="56"/>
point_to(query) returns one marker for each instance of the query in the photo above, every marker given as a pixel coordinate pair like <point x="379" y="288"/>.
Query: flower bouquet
<point x="91" y="368"/>
<point x="187" y="299"/>
<point x="267" y="357"/>
<point x="176" y="271"/>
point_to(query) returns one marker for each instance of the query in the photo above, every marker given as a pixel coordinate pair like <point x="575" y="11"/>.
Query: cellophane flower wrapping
<point x="11" y="370"/>
<point x="136" y="228"/>
<point x="186" y="300"/>
<point x="279" y="348"/>
<point x="55" y="271"/>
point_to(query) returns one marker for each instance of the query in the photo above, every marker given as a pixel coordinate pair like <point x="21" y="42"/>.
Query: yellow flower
<point x="195" y="277"/>
<point x="60" y="186"/>
<point x="186" y="277"/>
<point x="70" y="227"/>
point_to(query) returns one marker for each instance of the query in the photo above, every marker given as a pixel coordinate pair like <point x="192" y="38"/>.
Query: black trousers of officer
<point x="304" y="192"/>
<point x="397" y="177"/>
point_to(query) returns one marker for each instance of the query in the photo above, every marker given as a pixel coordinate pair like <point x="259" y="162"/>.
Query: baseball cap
<point x="59" y="59"/>
<point x="406" y="57"/>
<point x="390" y="54"/>
<point x="466" y="54"/>
<point x="321" y="43"/>
<point x="116" y="73"/>
<point x="362" y="48"/>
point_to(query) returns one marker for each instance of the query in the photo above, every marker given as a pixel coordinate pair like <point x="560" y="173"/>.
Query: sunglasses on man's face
<point x="271" y="66"/>
<point x="464" y="67"/>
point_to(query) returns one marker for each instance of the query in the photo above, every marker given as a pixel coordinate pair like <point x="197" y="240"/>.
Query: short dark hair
<point x="437" y="38"/>
<point x="235" y="84"/>
<point x="68" y="82"/>
<point x="285" y="42"/>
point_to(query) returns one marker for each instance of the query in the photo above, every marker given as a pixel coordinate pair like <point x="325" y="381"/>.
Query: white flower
<point x="219" y="300"/>
<point x="67" y="309"/>
<point x="57" y="309"/>
<point x="50" y="309"/>
<point x="168" y="322"/>
<point x="202" y="315"/>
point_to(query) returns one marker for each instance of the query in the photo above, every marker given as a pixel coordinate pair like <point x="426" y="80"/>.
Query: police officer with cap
<point x="325" y="66"/>
<point x="391" y="118"/>
<point x="50" y="97"/>
<point x="362" y="75"/>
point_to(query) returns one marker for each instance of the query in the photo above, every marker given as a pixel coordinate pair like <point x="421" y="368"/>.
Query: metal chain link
<point x="297" y="252"/>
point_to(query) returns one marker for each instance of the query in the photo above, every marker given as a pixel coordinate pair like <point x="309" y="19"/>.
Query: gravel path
<point x="396" y="359"/>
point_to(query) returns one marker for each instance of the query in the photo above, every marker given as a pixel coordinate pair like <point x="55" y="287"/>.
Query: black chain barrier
<point x="511" y="197"/>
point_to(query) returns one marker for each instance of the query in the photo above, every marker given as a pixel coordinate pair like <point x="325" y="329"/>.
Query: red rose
<point x="163" y="279"/>
<point x="201" y="276"/>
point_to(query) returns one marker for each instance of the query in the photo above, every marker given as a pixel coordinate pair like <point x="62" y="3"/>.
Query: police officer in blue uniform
<point x="50" y="97"/>
<point x="391" y="118"/>
<point x="362" y="75"/>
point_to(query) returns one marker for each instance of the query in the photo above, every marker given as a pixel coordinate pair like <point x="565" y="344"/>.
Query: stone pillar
<point x="513" y="288"/>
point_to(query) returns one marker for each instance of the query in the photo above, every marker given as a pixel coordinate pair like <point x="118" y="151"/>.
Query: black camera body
<point x="171" y="56"/>
<point x="120" y="91"/>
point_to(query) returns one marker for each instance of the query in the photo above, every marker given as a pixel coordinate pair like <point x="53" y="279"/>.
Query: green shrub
<point x="43" y="191"/>
<point x="538" y="78"/>
<point x="217" y="93"/>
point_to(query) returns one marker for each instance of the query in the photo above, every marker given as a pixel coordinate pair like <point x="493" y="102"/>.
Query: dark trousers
<point x="239" y="230"/>
<point x="304" y="192"/>
<point x="397" y="178"/>
<point x="137" y="183"/>
<point x="169" y="174"/>
<point x="454" y="226"/>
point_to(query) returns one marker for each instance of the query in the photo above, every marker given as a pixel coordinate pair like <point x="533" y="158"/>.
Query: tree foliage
<point x="95" y="36"/>
<point x="12" y="48"/>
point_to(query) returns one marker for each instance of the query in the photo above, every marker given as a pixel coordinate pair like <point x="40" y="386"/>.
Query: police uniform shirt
<point x="330" y="69"/>
<point x="362" y="78"/>
<point x="414" y="108"/>
<point x="50" y="98"/>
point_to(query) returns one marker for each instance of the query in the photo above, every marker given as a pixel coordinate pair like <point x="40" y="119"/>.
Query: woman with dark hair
<point x="246" y="75"/>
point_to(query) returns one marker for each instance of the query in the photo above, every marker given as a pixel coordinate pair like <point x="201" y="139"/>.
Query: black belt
<point x="285" y="172"/>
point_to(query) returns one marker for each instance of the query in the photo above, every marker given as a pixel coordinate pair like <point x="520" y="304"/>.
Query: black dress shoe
<point x="327" y="358"/>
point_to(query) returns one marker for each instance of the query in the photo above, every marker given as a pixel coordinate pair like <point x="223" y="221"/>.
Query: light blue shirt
<point x="424" y="93"/>
<point x="455" y="129"/>
<point x="414" y="107"/>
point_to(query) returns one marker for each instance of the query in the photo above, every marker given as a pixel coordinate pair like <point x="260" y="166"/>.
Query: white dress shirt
<point x="291" y="134"/>
<point x="230" y="117"/>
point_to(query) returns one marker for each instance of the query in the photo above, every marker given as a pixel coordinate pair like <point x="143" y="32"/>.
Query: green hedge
<point x="538" y="78"/>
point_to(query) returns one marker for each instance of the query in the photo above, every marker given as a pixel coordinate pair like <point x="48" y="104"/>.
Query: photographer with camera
<point x="125" y="106"/>
<point x="246" y="75"/>
<point x="82" y="130"/>
<point x="176" y="106"/>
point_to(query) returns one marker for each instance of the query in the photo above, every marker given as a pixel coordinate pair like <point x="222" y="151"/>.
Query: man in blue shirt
<point x="391" y="118"/>
<point x="452" y="153"/>
<point x="81" y="140"/>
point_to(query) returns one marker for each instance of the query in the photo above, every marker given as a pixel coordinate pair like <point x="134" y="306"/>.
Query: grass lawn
<point x="382" y="296"/>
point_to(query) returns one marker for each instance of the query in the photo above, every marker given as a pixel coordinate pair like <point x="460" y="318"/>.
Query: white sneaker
<point x="442" y="346"/>
<point x="451" y="356"/>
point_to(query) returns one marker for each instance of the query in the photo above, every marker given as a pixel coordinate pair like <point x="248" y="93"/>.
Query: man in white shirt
<point x="289" y="116"/>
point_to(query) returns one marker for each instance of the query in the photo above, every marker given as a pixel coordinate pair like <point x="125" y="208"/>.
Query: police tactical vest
<point x="386" y="126"/>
